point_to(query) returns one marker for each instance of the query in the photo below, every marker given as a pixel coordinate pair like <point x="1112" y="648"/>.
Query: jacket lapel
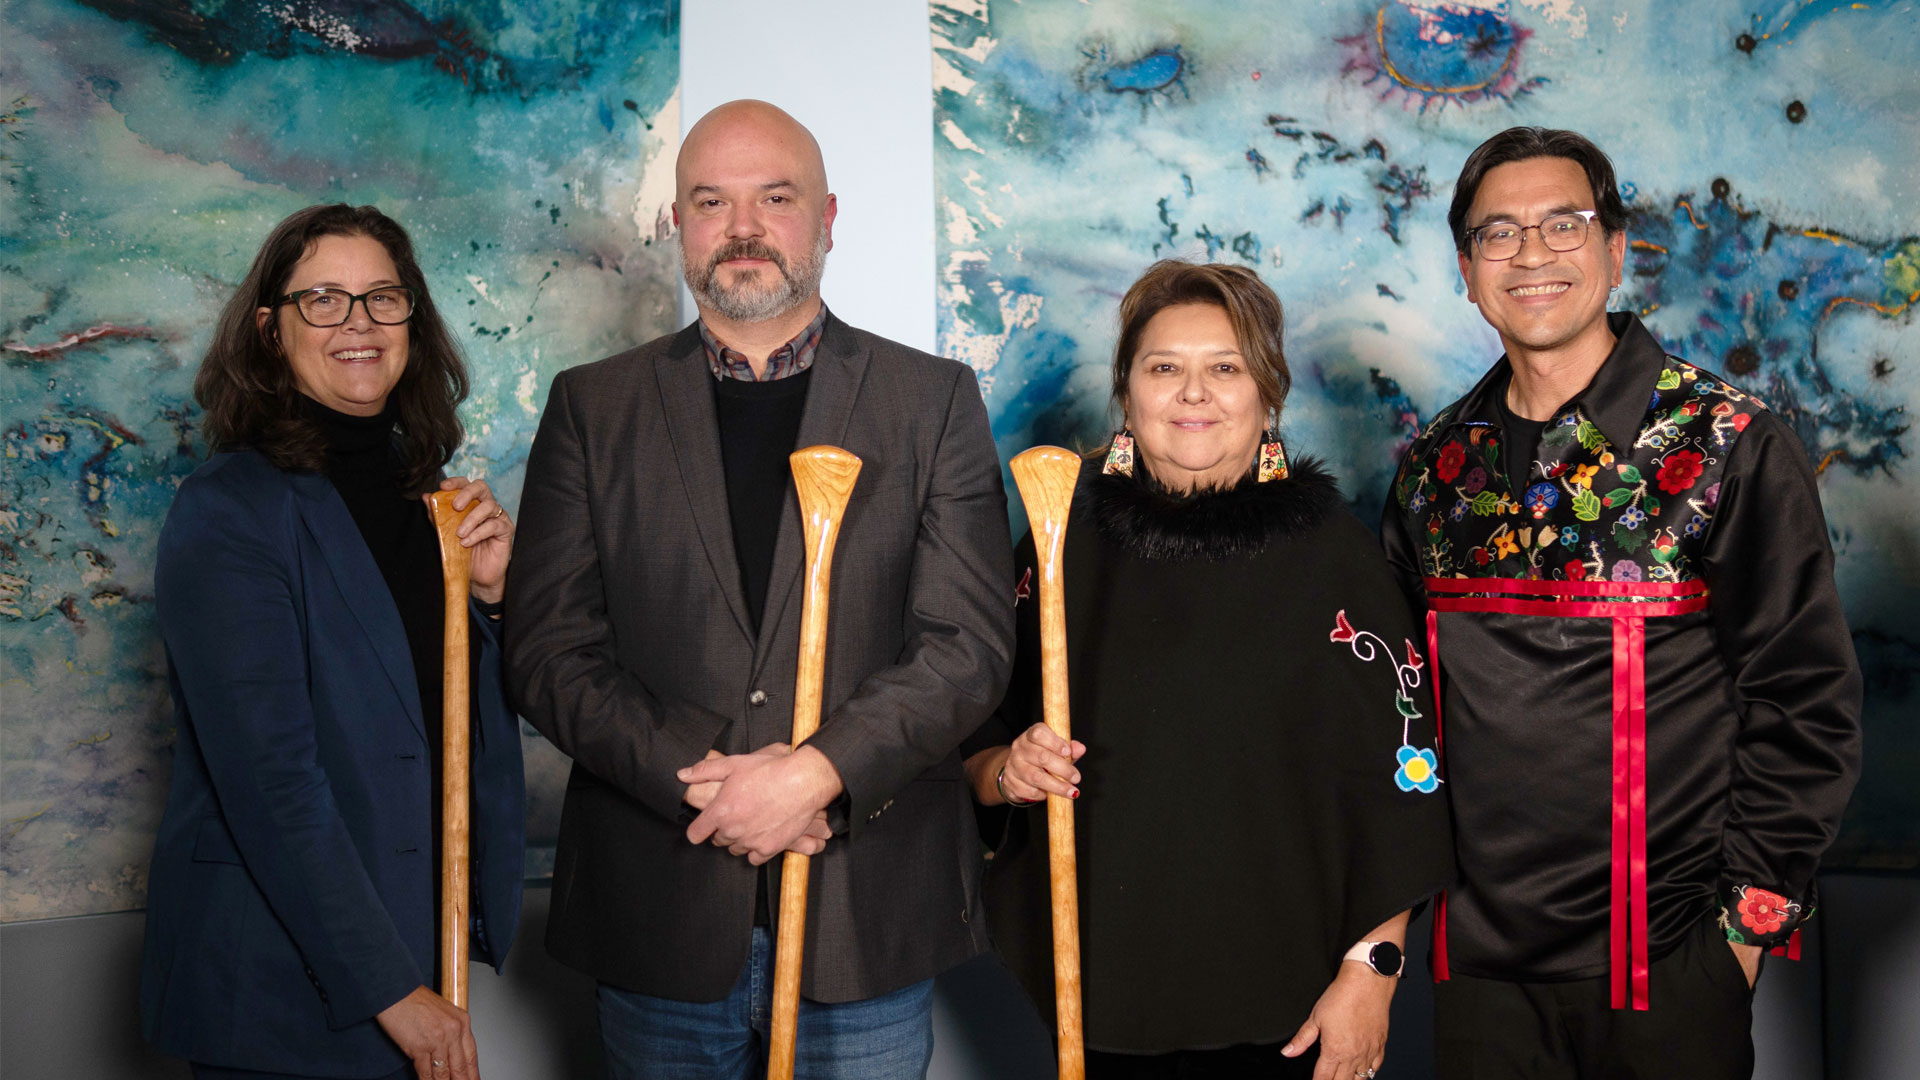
<point x="686" y="396"/>
<point x="354" y="571"/>
<point x="839" y="368"/>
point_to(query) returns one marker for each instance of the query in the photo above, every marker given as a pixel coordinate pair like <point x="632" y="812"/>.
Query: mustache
<point x="745" y="249"/>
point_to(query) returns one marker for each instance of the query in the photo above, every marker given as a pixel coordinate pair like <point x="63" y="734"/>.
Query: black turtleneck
<point x="365" y="466"/>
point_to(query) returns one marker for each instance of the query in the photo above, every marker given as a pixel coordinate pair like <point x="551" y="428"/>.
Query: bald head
<point x="755" y="215"/>
<point x="750" y="134"/>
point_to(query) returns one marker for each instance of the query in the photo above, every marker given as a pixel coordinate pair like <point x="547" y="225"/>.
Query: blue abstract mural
<point x="1769" y="160"/>
<point x="149" y="146"/>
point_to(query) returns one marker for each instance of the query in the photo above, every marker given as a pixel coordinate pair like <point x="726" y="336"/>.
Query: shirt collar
<point x="1616" y="400"/>
<point x="792" y="358"/>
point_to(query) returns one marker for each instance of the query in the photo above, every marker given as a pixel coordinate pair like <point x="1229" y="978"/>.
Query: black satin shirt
<point x="1752" y="706"/>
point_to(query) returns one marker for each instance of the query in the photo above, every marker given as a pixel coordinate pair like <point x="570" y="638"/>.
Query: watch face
<point x="1386" y="958"/>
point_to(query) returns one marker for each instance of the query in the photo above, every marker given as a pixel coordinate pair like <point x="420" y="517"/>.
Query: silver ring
<point x="438" y="1064"/>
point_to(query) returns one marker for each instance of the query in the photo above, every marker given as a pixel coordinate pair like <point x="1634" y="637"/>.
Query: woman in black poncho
<point x="1261" y="792"/>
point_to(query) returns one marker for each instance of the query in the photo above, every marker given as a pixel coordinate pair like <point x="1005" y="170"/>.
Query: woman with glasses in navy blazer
<point x="291" y="907"/>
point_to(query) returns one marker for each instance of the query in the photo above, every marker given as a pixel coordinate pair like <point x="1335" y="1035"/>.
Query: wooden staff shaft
<point x="823" y="477"/>
<point x="1046" y="476"/>
<point x="456" y="757"/>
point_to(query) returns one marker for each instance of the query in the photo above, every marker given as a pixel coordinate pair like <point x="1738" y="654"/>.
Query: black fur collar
<point x="1146" y="520"/>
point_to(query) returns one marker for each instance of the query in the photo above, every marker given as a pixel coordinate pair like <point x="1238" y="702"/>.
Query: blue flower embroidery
<point x="1416" y="501"/>
<point x="1419" y="770"/>
<point x="1633" y="517"/>
<point x="1542" y="498"/>
<point x="1570" y="536"/>
<point x="1695" y="526"/>
<point x="1459" y="510"/>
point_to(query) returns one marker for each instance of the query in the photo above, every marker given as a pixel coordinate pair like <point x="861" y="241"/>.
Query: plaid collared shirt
<point x="792" y="358"/>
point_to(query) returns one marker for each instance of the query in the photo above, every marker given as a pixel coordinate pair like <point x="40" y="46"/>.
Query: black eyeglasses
<point x="388" y="305"/>
<point x="1502" y="240"/>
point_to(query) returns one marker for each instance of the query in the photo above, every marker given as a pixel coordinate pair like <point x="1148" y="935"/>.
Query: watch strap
<point x="1363" y="953"/>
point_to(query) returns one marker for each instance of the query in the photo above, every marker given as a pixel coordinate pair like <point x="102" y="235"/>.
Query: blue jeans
<point x="889" y="1037"/>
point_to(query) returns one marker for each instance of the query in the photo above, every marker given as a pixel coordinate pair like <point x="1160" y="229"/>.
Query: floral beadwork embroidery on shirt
<point x="1621" y="513"/>
<point x="1757" y="914"/>
<point x="1417" y="768"/>
<point x="1680" y="469"/>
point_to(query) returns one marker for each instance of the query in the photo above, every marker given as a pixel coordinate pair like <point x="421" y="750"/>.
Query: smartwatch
<point x="1384" y="957"/>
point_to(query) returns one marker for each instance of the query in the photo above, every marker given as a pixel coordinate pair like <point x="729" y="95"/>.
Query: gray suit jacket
<point x="629" y="646"/>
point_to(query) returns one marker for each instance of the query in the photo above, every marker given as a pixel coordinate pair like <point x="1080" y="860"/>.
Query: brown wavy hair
<point x="1258" y="321"/>
<point x="246" y="384"/>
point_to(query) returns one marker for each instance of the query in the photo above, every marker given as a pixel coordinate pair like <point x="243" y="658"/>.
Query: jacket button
<point x="757" y="698"/>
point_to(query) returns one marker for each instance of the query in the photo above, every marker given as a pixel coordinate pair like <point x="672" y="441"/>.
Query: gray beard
<point x="752" y="298"/>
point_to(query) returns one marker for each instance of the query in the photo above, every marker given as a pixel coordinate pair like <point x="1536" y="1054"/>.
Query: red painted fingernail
<point x="1074" y="794"/>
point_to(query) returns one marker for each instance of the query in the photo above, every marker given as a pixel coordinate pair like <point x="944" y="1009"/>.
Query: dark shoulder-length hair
<point x="246" y="385"/>
<point x="1252" y="308"/>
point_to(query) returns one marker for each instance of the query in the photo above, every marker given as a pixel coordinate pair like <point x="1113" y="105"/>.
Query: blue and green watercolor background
<point x="1770" y="155"/>
<point x="1771" y="159"/>
<point x="148" y="147"/>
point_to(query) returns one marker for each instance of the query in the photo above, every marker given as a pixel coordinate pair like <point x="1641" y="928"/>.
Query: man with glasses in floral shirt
<point x="1650" y="700"/>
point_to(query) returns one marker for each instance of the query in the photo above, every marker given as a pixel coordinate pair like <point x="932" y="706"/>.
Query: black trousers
<point x="1699" y="1024"/>
<point x="1231" y="1063"/>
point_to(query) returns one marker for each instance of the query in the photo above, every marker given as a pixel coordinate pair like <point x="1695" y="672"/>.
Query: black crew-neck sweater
<point x="759" y="425"/>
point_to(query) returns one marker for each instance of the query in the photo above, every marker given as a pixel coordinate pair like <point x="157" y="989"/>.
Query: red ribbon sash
<point x="1628" y="604"/>
<point x="1440" y="970"/>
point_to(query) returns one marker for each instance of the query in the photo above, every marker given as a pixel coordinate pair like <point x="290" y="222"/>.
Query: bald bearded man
<point x="653" y="632"/>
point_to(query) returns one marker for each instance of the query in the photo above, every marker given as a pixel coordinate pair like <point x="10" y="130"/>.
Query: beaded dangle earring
<point x="1273" y="457"/>
<point x="1120" y="455"/>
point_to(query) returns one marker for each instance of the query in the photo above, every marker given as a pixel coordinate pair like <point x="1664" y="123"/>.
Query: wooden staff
<point x="456" y="758"/>
<point x="1045" y="476"/>
<point x="823" y="476"/>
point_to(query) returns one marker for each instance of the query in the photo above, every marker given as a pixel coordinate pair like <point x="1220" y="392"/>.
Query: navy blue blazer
<point x="291" y="893"/>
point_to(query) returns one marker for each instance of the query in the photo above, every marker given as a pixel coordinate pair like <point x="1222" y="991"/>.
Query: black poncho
<point x="1256" y="792"/>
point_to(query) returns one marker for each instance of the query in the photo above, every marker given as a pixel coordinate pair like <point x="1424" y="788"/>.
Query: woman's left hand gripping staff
<point x="488" y="531"/>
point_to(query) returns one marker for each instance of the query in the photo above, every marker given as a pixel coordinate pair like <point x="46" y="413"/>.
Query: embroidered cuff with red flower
<point x="1751" y="915"/>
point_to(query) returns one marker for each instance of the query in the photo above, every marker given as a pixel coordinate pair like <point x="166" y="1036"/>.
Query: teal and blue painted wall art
<point x="1769" y="154"/>
<point x="147" y="148"/>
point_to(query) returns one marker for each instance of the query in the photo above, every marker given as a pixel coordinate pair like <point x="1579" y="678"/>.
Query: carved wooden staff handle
<point x="456" y="758"/>
<point x="1046" y="476"/>
<point x="823" y="476"/>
